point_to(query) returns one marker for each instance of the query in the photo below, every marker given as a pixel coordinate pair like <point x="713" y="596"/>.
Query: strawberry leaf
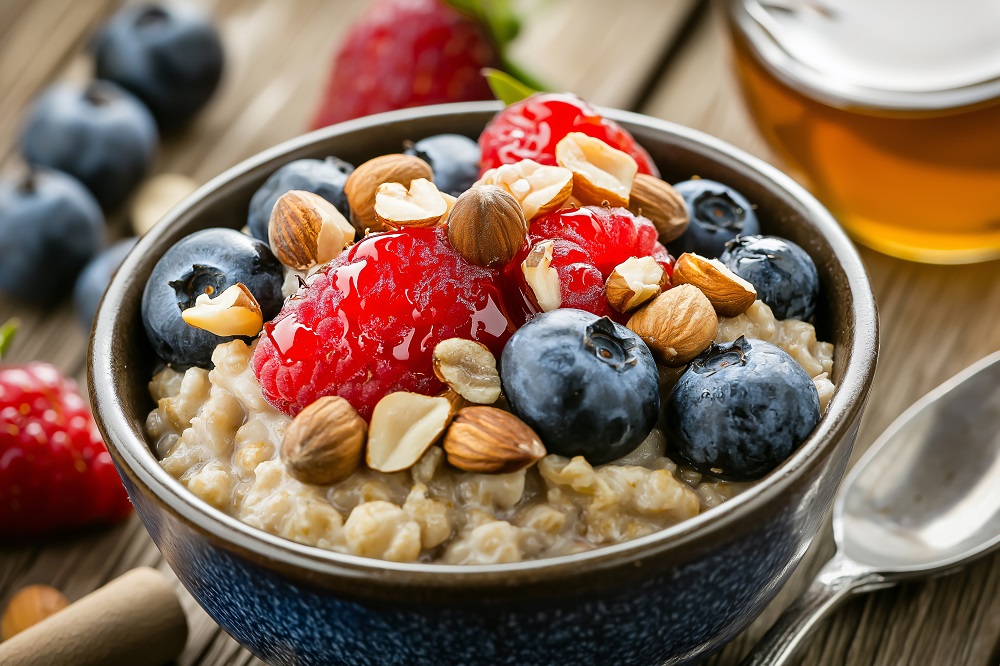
<point x="506" y="88"/>
<point x="497" y="15"/>
<point x="7" y="332"/>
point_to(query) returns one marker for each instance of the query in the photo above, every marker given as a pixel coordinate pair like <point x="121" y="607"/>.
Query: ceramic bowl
<point x="667" y="598"/>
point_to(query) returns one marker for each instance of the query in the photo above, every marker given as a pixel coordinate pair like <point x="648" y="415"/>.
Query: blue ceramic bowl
<point x="670" y="597"/>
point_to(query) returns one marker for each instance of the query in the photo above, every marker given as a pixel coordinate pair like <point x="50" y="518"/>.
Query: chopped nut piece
<point x="729" y="294"/>
<point x="635" y="281"/>
<point x="600" y="173"/>
<point x="539" y="189"/>
<point x="661" y="204"/>
<point x="323" y="443"/>
<point x="469" y="369"/>
<point x="233" y="312"/>
<point x="419" y="206"/>
<point x="541" y="277"/>
<point x="305" y="230"/>
<point x="487" y="440"/>
<point x="403" y="426"/>
<point x="362" y="185"/>
<point x="677" y="325"/>
<point x="486" y="226"/>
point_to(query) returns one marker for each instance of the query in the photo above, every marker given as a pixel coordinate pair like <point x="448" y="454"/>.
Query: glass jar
<point x="889" y="110"/>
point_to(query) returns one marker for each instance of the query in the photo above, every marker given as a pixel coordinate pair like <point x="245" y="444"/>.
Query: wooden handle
<point x="135" y="620"/>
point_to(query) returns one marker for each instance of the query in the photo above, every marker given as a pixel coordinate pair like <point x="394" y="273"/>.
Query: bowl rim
<point x="135" y="458"/>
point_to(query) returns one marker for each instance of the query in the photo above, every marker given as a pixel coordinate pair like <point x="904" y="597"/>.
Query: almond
<point x="305" y="230"/>
<point x="362" y="185"/>
<point x="324" y="441"/>
<point x="487" y="226"/>
<point x="419" y="206"/>
<point x="538" y="188"/>
<point x="28" y="607"/>
<point x="487" y="440"/>
<point x="468" y="368"/>
<point x="403" y="426"/>
<point x="541" y="277"/>
<point x="635" y="281"/>
<point x="677" y="325"/>
<point x="661" y="204"/>
<point x="729" y="294"/>
<point x="600" y="173"/>
<point x="233" y="312"/>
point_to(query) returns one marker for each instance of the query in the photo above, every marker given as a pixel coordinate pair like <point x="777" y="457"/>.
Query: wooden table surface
<point x="665" y="58"/>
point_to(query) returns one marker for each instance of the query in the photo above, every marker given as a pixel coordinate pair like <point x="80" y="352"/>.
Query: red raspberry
<point x="531" y="128"/>
<point x="54" y="470"/>
<point x="367" y="325"/>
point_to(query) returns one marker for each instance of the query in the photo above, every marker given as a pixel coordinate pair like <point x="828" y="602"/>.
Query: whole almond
<point x="661" y="204"/>
<point x="323" y="443"/>
<point x="487" y="226"/>
<point x="487" y="440"/>
<point x="677" y="325"/>
<point x="729" y="294"/>
<point x="305" y="230"/>
<point x="363" y="183"/>
<point x="28" y="607"/>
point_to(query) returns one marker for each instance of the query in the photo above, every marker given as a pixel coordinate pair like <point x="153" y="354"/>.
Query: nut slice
<point x="469" y="369"/>
<point x="729" y="294"/>
<point x="677" y="325"/>
<point x="362" y="185"/>
<point x="233" y="312"/>
<point x="635" y="281"/>
<point x="403" y="426"/>
<point x="487" y="440"/>
<point x="538" y="188"/>
<point x="486" y="226"/>
<point x="419" y="206"/>
<point x="323" y="443"/>
<point x="541" y="277"/>
<point x="661" y="204"/>
<point x="305" y="230"/>
<point x="600" y="173"/>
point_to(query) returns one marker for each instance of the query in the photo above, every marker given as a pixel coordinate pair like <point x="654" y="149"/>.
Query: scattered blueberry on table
<point x="95" y="278"/>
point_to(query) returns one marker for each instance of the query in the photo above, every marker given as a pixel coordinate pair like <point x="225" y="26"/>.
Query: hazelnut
<point x="487" y="440"/>
<point x="542" y="279"/>
<point x="28" y="607"/>
<point x="305" y="230"/>
<point x="539" y="189"/>
<point x="362" y="185"/>
<point x="487" y="226"/>
<point x="323" y="443"/>
<point x="419" y="206"/>
<point x="403" y="426"/>
<point x="661" y="204"/>
<point x="677" y="325"/>
<point x="729" y="294"/>
<point x="600" y="173"/>
<point x="635" y="281"/>
<point x="469" y="369"/>
<point x="233" y="312"/>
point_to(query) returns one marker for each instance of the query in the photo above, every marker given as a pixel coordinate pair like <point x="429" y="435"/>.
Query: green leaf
<point x="7" y="332"/>
<point x="497" y="15"/>
<point x="506" y="88"/>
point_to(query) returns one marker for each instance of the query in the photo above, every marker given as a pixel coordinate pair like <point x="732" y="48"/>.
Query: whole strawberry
<point x="55" y="473"/>
<point x="404" y="53"/>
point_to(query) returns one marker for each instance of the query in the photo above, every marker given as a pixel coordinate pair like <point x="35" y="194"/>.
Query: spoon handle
<point x="835" y="582"/>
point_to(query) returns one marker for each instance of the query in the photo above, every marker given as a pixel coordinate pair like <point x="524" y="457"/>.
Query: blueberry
<point x="323" y="177"/>
<point x="50" y="227"/>
<point x="784" y="275"/>
<point x="740" y="409"/>
<point x="170" y="57"/>
<point x="96" y="277"/>
<point x="453" y="158"/>
<point x="101" y="134"/>
<point x="718" y="214"/>
<point x="588" y="386"/>
<point x="206" y="262"/>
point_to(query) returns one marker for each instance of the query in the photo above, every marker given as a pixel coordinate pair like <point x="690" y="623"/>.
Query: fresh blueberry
<point x="784" y="275"/>
<point x="588" y="386"/>
<point x="169" y="56"/>
<point x="740" y="409"/>
<point x="101" y="134"/>
<point x="50" y="227"/>
<point x="718" y="214"/>
<point x="96" y="277"/>
<point x="453" y="158"/>
<point x="323" y="177"/>
<point x="206" y="262"/>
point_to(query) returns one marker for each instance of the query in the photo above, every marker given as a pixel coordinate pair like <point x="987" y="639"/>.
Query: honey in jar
<point x="889" y="110"/>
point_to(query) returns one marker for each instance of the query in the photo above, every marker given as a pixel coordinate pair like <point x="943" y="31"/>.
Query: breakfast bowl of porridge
<point x="457" y="384"/>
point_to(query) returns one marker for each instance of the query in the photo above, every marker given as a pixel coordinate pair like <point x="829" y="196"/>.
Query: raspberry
<point x="367" y="325"/>
<point x="54" y="470"/>
<point x="531" y="128"/>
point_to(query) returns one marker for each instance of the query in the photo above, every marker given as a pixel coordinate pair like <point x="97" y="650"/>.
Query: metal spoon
<point x="923" y="501"/>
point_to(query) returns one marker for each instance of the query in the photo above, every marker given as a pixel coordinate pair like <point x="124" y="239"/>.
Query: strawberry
<point x="54" y="470"/>
<point x="404" y="53"/>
